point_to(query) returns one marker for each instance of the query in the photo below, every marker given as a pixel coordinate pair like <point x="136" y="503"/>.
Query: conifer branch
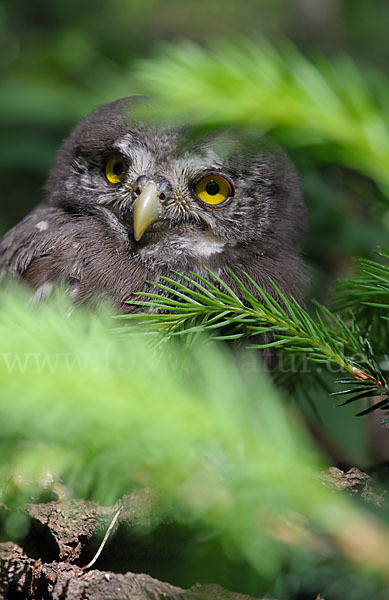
<point x="367" y="294"/>
<point x="192" y="305"/>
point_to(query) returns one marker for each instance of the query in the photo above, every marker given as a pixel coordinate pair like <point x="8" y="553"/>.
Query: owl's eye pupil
<point x="212" y="188"/>
<point x="118" y="168"/>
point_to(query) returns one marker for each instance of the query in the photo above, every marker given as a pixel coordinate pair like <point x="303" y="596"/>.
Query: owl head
<point x="194" y="199"/>
<point x="127" y="202"/>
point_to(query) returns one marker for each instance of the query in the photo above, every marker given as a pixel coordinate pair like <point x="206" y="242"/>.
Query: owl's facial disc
<point x="212" y="190"/>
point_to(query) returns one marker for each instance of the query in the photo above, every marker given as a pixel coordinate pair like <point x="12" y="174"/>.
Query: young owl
<point x="128" y="202"/>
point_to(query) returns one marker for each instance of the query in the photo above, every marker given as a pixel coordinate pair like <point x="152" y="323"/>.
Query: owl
<point x="128" y="202"/>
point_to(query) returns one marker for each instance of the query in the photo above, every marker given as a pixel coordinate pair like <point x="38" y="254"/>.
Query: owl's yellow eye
<point x="213" y="190"/>
<point x="115" y="168"/>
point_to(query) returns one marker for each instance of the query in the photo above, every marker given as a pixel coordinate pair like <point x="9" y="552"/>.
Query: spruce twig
<point x="367" y="294"/>
<point x="197" y="304"/>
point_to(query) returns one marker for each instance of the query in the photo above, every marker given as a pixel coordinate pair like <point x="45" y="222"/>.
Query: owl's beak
<point x="147" y="209"/>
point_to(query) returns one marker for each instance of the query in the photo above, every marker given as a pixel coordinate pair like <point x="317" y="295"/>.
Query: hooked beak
<point x="147" y="209"/>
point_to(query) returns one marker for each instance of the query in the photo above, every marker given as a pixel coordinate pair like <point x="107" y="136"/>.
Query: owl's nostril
<point x="165" y="189"/>
<point x="140" y="184"/>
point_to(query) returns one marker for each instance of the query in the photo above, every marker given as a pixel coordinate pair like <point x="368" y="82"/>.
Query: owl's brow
<point x="139" y="158"/>
<point x="191" y="164"/>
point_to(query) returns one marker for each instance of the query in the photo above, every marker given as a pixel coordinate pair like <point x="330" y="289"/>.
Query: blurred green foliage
<point x="207" y="431"/>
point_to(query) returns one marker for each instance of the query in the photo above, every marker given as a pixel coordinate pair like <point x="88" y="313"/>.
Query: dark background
<point x="60" y="59"/>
